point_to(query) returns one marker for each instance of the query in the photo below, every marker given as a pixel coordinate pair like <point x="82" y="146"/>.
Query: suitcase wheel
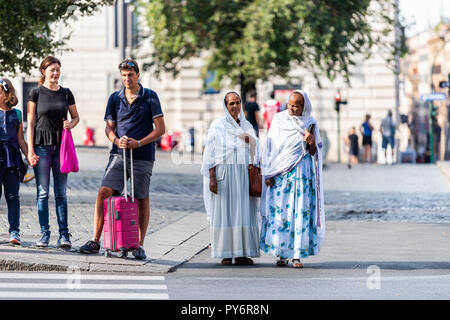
<point x="122" y="254"/>
<point x="107" y="254"/>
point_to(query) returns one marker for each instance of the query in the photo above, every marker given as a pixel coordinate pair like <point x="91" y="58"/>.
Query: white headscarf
<point x="225" y="136"/>
<point x="284" y="150"/>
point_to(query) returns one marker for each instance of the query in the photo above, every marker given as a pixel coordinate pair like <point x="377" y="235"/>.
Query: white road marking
<point x="51" y="286"/>
<point x="64" y="276"/>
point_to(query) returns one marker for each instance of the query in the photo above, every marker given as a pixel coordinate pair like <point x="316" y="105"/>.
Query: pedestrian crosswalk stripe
<point x="83" y="286"/>
<point x="56" y="276"/>
<point x="82" y="295"/>
<point x="77" y="285"/>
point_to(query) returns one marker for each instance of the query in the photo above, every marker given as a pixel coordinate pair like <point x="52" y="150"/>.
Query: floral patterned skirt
<point x="288" y="229"/>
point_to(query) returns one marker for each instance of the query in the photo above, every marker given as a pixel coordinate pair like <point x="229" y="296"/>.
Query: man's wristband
<point x="114" y="141"/>
<point x="139" y="143"/>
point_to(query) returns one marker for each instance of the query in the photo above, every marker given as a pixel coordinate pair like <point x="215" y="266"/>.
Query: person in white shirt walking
<point x="388" y="133"/>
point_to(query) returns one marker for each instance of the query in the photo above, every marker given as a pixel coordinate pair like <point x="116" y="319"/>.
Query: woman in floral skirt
<point x="293" y="217"/>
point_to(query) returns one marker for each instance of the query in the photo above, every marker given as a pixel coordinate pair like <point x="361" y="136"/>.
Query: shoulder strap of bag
<point x="19" y="118"/>
<point x="37" y="98"/>
<point x="66" y="91"/>
<point x="116" y="98"/>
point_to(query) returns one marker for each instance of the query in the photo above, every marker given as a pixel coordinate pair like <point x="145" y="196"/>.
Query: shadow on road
<point x="385" y="265"/>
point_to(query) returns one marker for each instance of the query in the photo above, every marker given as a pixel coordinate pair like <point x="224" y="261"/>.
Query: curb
<point x="167" y="249"/>
<point x="12" y="265"/>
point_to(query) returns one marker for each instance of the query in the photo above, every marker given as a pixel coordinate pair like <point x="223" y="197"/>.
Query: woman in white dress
<point x="233" y="214"/>
<point x="293" y="217"/>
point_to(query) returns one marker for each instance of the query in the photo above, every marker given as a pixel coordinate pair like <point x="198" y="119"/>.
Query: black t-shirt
<point x="51" y="111"/>
<point x="353" y="143"/>
<point x="251" y="108"/>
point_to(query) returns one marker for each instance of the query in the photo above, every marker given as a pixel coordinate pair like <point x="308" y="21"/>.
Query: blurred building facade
<point x="423" y="68"/>
<point x="99" y="42"/>
<point x="90" y="68"/>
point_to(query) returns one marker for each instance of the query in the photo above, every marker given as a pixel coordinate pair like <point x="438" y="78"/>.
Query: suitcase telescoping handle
<point x="125" y="174"/>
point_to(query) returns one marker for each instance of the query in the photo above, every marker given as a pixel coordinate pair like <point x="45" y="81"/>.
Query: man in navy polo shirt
<point x="130" y="116"/>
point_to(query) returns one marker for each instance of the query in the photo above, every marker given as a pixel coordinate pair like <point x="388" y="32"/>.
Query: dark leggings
<point x="9" y="179"/>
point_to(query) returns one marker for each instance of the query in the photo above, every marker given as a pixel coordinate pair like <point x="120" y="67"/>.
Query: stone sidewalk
<point x="177" y="220"/>
<point x="166" y="249"/>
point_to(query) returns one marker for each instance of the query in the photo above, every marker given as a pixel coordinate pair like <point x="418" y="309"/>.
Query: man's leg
<point x="143" y="172"/>
<point x="103" y="193"/>
<point x="144" y="218"/>
<point x="93" y="246"/>
<point x="392" y="147"/>
<point x="112" y="180"/>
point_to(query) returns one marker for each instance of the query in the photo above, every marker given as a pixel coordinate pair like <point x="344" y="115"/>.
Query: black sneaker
<point x="90" y="247"/>
<point x="139" y="253"/>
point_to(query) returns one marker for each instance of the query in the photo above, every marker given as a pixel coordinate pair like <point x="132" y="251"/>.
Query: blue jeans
<point x="49" y="159"/>
<point x="9" y="178"/>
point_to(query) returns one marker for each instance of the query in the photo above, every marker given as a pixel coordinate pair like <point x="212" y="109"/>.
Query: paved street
<point x="404" y="192"/>
<point x="388" y="231"/>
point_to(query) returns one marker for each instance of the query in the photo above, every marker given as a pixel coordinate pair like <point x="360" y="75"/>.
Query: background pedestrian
<point x="353" y="147"/>
<point x="271" y="107"/>
<point x="366" y="131"/>
<point x="252" y="113"/>
<point x="387" y="135"/>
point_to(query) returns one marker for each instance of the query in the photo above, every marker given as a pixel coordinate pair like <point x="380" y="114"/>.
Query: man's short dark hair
<point x="129" y="64"/>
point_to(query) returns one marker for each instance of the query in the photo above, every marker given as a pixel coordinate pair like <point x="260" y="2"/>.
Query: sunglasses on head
<point x="126" y="64"/>
<point x="4" y="85"/>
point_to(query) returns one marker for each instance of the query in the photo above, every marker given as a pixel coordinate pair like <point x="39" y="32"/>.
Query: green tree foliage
<point x="247" y="40"/>
<point x="28" y="31"/>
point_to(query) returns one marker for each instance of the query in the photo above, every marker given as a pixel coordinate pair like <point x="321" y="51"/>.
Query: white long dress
<point x="234" y="213"/>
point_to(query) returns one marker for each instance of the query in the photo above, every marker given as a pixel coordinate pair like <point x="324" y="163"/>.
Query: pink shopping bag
<point x="68" y="156"/>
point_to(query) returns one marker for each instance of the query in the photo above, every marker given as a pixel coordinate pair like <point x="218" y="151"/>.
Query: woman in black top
<point x="47" y="116"/>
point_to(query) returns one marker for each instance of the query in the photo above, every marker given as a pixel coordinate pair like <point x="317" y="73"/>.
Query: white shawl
<point x="225" y="136"/>
<point x="284" y="150"/>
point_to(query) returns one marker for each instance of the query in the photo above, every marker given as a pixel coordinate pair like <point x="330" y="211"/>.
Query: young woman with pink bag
<point x="48" y="106"/>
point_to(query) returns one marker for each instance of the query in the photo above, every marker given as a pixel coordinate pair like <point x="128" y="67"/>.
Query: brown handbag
<point x="255" y="178"/>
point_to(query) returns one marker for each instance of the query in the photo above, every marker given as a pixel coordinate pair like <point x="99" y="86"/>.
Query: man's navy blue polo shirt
<point x="135" y="120"/>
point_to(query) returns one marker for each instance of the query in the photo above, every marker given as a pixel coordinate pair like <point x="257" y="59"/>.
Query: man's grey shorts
<point x="142" y="171"/>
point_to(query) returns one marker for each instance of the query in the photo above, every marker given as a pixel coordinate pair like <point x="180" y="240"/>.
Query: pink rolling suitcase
<point x="121" y="223"/>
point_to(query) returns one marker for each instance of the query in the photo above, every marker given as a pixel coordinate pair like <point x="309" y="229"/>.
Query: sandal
<point x="227" y="261"/>
<point x="243" y="261"/>
<point x="282" y="262"/>
<point x="296" y="263"/>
